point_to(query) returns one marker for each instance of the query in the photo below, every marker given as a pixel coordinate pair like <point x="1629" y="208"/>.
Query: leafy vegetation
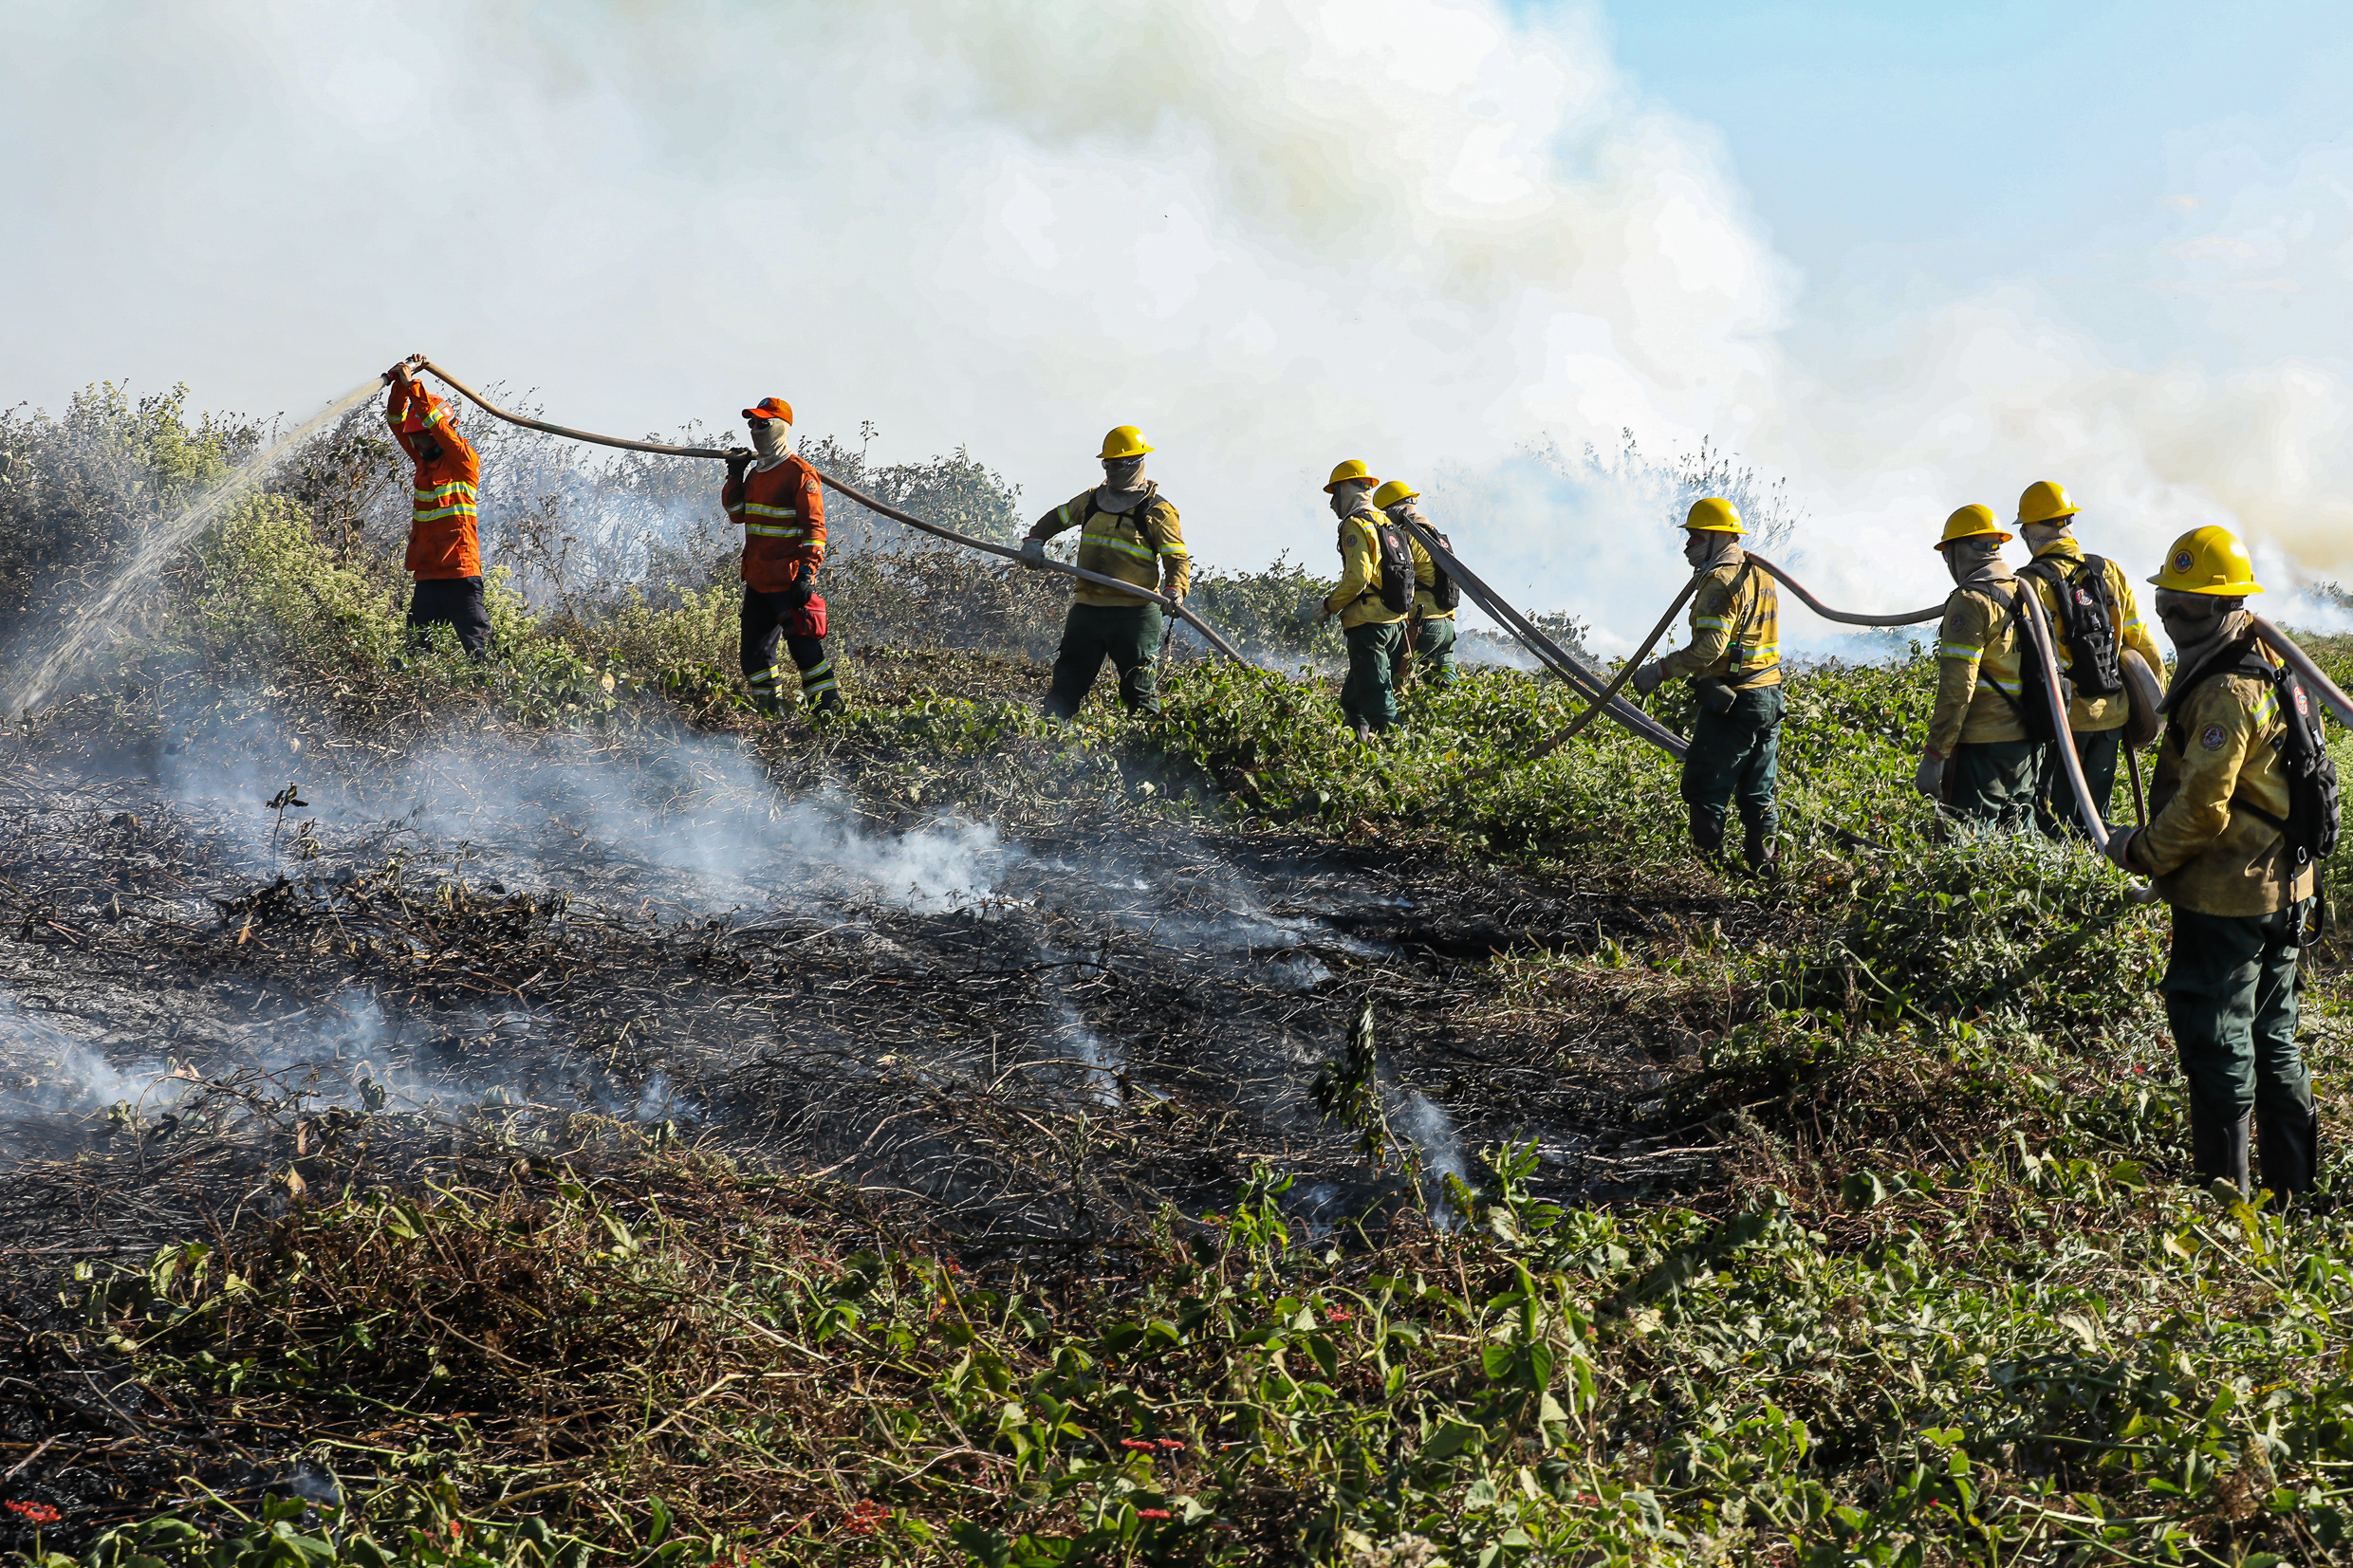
<point x="1945" y="1294"/>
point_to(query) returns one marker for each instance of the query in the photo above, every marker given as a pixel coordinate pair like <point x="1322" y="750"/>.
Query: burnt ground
<point x="433" y="967"/>
<point x="517" y="941"/>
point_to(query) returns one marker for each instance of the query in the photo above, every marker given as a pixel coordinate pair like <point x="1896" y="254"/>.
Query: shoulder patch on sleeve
<point x="2210" y="737"/>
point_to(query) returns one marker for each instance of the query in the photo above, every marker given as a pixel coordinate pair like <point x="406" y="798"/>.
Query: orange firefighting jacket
<point x="783" y="512"/>
<point x="442" y="542"/>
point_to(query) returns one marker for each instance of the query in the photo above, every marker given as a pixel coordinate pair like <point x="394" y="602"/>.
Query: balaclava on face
<point x="773" y="440"/>
<point x="1701" y="545"/>
<point x="2200" y="625"/>
<point x="1348" y="495"/>
<point x="2042" y="536"/>
<point x="1125" y="474"/>
<point x="1975" y="560"/>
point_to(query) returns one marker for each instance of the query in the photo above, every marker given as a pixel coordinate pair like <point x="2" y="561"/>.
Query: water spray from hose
<point x="28" y="686"/>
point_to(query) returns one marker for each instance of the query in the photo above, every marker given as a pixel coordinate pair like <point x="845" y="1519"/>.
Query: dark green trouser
<point x="1434" y="653"/>
<point x="2097" y="751"/>
<point x="2231" y="997"/>
<point x="1993" y="784"/>
<point x="1368" y="696"/>
<point x="1129" y="638"/>
<point x="1734" y="756"/>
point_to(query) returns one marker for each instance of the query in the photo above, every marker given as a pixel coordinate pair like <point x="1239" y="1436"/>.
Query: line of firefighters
<point x="2231" y="842"/>
<point x="2242" y="807"/>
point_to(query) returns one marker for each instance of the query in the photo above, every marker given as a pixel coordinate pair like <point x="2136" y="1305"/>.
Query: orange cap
<point x="770" y="408"/>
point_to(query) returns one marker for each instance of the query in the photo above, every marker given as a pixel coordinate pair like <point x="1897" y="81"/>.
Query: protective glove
<point x="397" y="375"/>
<point x="1033" y="554"/>
<point x="802" y="588"/>
<point x="2120" y="849"/>
<point x="1648" y="678"/>
<point x="738" y="459"/>
<point x="1928" y="777"/>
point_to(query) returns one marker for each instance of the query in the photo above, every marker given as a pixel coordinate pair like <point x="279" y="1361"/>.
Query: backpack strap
<point x="2239" y="659"/>
<point x="2016" y="603"/>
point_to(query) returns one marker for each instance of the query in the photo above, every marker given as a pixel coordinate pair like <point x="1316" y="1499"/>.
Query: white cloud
<point x="1422" y="231"/>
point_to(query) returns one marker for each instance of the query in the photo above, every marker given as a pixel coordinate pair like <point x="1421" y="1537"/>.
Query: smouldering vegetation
<point x="1888" y="1259"/>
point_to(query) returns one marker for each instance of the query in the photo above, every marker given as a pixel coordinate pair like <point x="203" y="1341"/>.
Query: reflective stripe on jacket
<point x="783" y="514"/>
<point x="1144" y="545"/>
<point x="1735" y="627"/>
<point x="1979" y="659"/>
<point x="444" y="542"/>
<point x="1356" y="599"/>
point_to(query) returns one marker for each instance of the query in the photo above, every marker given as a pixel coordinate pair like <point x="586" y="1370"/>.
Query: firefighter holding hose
<point x="2232" y="845"/>
<point x="1379" y="569"/>
<point x="1436" y="595"/>
<point x="1127" y="530"/>
<point x="774" y="492"/>
<point x="1733" y="664"/>
<point x="1981" y="760"/>
<point x="445" y="552"/>
<point x="2094" y="620"/>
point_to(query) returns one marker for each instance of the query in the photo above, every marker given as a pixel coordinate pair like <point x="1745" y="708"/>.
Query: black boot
<point x="1760" y="849"/>
<point x="2291" y="1153"/>
<point x="2218" y="1148"/>
<point x="1708" y="834"/>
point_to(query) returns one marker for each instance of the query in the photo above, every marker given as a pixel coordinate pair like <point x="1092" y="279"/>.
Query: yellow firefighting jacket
<point x="1357" y="600"/>
<point x="1980" y="651"/>
<point x="1735" y="627"/>
<point x="2221" y="751"/>
<point x="2090" y="715"/>
<point x="1144" y="545"/>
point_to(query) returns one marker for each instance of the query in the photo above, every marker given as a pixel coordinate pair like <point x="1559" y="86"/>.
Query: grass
<point x="1947" y="1297"/>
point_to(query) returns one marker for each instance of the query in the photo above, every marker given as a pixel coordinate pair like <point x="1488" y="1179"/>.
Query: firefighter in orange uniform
<point x="445" y="557"/>
<point x="774" y="492"/>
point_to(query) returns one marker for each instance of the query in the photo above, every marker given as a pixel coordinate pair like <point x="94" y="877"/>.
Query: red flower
<point x="1339" y="1315"/>
<point x="864" y="1518"/>
<point x="36" y="1513"/>
<point x="1152" y="1513"/>
<point x="1143" y="1443"/>
<point x="1169" y="1442"/>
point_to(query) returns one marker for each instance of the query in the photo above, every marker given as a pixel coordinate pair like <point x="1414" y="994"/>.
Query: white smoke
<point x="1275" y="234"/>
<point x="543" y="809"/>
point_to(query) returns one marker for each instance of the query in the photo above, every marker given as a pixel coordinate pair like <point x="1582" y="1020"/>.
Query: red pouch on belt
<point x="808" y="621"/>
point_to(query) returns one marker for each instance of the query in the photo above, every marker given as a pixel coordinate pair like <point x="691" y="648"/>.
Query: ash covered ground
<point x="216" y="997"/>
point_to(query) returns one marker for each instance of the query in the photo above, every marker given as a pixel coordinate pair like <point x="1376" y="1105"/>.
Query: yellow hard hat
<point x="1393" y="493"/>
<point x="2209" y="560"/>
<point x="1127" y="441"/>
<point x="2045" y="500"/>
<point x="1351" y="471"/>
<point x="1972" y="521"/>
<point x="1714" y="515"/>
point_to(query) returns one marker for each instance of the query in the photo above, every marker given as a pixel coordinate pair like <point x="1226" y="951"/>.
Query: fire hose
<point x="1169" y="602"/>
<point x="1609" y="693"/>
<point x="2063" y="741"/>
<point x="2315" y="680"/>
<point x="1600" y="694"/>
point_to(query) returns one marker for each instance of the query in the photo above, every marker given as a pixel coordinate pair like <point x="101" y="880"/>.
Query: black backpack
<point x="1396" y="566"/>
<point x="2035" y="712"/>
<point x="2315" y="813"/>
<point x="1445" y="592"/>
<point x="2087" y="619"/>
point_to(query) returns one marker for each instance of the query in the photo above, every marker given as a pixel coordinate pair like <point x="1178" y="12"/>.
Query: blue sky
<point x="1901" y="148"/>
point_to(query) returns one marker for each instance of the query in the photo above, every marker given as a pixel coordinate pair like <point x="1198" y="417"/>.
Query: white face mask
<point x="772" y="441"/>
